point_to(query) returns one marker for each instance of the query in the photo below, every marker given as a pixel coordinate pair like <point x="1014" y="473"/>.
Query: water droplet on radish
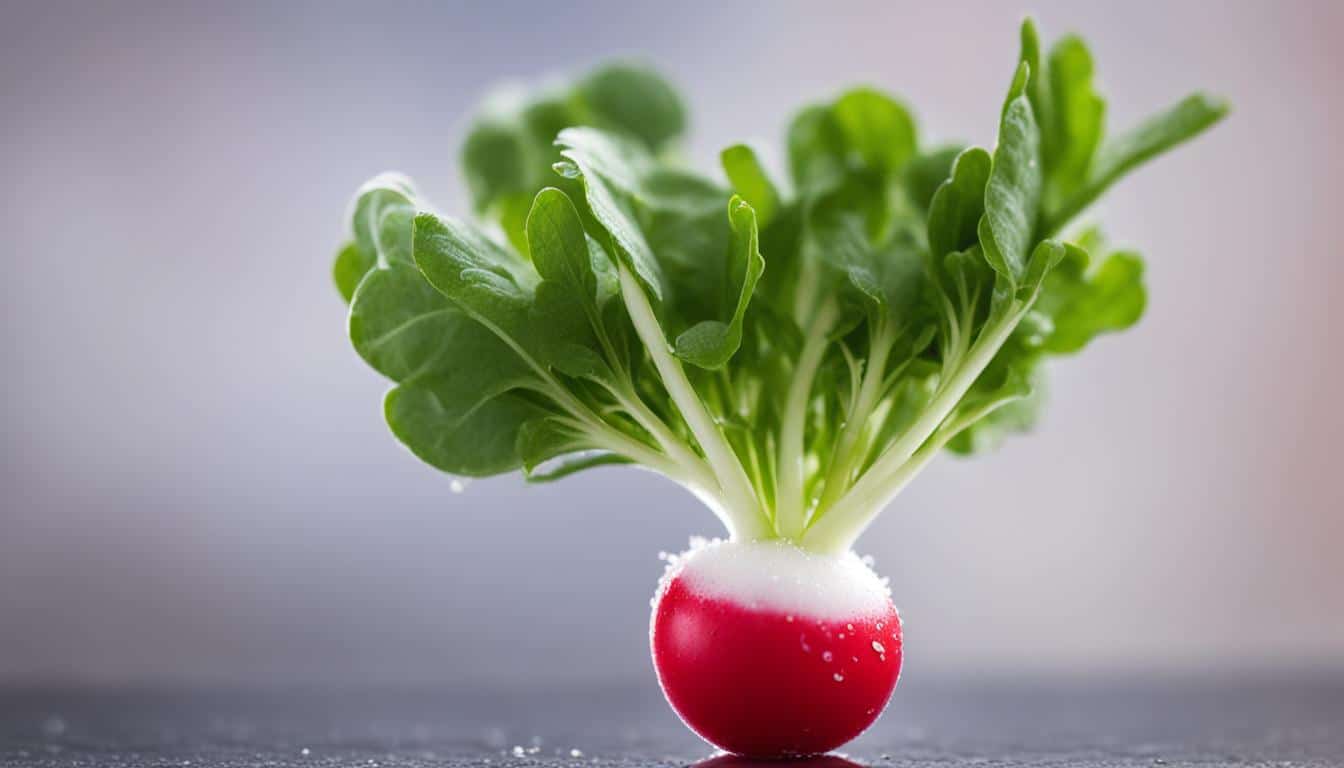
<point x="879" y="647"/>
<point x="879" y="626"/>
<point x="850" y="627"/>
<point x="789" y="618"/>
<point x="854" y="658"/>
<point x="802" y="640"/>
<point x="826" y="656"/>
<point x="842" y="635"/>
<point x="839" y="678"/>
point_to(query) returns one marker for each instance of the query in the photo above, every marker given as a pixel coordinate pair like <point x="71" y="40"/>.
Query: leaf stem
<point x="843" y="522"/>
<point x="631" y="403"/>
<point x="843" y="539"/>
<point x="683" y="467"/>
<point x="790" y="512"/>
<point x="740" y="503"/>
<point x="869" y="393"/>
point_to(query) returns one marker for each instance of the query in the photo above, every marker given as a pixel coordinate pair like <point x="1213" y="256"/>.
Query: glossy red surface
<point x="767" y="684"/>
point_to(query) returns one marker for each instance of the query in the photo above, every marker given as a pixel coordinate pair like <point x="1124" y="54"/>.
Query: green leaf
<point x="1084" y="303"/>
<point x="635" y="100"/>
<point x="352" y="263"/>
<point x="1037" y="87"/>
<point x="409" y="332"/>
<point x="684" y="224"/>
<point x="381" y="217"/>
<point x="886" y="272"/>
<point x="511" y="212"/>
<point x="1123" y="153"/>
<point x="927" y="171"/>
<point x="509" y="151"/>
<point x="544" y="440"/>
<point x="495" y="161"/>
<point x="711" y="343"/>
<point x="1156" y="135"/>
<point x="891" y="281"/>
<point x="560" y="249"/>
<point x="507" y="154"/>
<point x="435" y="426"/>
<point x="956" y="208"/>
<point x="1044" y="258"/>
<point x="542" y="320"/>
<point x="1013" y="194"/>
<point x="864" y="131"/>
<point x="612" y="169"/>
<point x="876" y="128"/>
<point x="452" y="407"/>
<point x="578" y="361"/>
<point x="569" y="465"/>
<point x="486" y="280"/>
<point x="816" y="149"/>
<point x="749" y="179"/>
<point x="1078" y="117"/>
<point x="1011" y="403"/>
<point x="548" y="112"/>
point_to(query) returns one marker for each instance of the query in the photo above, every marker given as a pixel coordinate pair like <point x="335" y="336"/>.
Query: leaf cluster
<point x="792" y="350"/>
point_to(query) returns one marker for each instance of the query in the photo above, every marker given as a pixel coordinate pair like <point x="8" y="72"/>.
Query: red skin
<point x="757" y="683"/>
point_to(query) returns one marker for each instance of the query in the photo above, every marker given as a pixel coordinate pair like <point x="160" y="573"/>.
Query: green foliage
<point x="510" y="148"/>
<point x="748" y="176"/>
<point x="792" y="357"/>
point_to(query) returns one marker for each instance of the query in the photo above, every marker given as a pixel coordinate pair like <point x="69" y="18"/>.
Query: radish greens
<point x="793" y="351"/>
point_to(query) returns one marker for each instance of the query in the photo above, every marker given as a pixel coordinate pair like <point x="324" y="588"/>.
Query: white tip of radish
<point x="781" y="577"/>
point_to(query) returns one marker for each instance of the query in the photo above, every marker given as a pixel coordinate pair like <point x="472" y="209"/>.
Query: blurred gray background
<point x="197" y="484"/>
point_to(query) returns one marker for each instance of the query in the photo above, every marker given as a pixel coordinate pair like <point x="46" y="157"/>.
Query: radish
<point x="768" y="650"/>
<point x="793" y="361"/>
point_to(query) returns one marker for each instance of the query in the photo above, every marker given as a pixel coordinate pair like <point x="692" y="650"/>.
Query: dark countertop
<point x="1272" y="721"/>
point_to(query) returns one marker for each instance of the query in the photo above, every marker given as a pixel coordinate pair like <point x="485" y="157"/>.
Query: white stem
<point x="790" y="507"/>
<point x="839" y="540"/>
<point x="678" y="464"/>
<point x="887" y="476"/>
<point x="869" y="390"/>
<point x="701" y="485"/>
<point x="671" y="444"/>
<point x="738" y="497"/>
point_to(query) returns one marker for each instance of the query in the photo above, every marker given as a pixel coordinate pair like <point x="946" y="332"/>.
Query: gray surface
<point x="1187" y="721"/>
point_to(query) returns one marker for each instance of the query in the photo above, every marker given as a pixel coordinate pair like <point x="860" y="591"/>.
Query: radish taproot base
<point x="768" y="650"/>
<point x="793" y="354"/>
